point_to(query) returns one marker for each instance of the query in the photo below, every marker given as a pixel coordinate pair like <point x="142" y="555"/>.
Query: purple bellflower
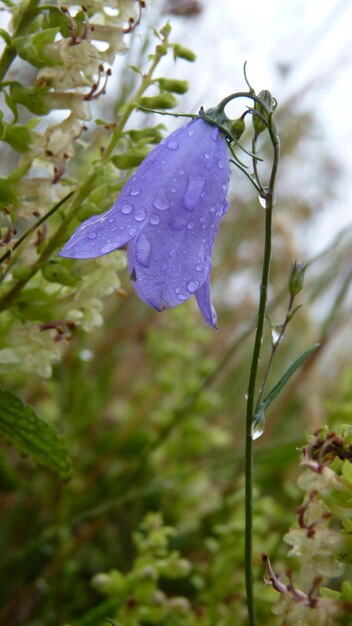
<point x="168" y="214"/>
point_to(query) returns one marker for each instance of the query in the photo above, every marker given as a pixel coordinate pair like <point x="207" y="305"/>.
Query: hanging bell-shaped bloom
<point x="168" y="214"/>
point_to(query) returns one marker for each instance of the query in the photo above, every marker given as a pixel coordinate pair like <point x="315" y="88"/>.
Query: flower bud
<point x="161" y="101"/>
<point x="237" y="128"/>
<point x="184" y="53"/>
<point x="173" y="85"/>
<point x="295" y="281"/>
<point x="259" y="124"/>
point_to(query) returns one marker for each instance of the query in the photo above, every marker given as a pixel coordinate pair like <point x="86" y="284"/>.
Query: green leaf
<point x="347" y="471"/>
<point x="286" y="377"/>
<point x="32" y="435"/>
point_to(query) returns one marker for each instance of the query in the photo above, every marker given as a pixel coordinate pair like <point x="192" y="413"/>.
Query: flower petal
<point x="205" y="305"/>
<point x="170" y="259"/>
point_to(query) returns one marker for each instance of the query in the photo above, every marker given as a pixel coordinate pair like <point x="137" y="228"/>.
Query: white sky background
<point x="310" y="39"/>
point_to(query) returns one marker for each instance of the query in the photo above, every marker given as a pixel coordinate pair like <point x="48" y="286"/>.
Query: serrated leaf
<point x="286" y="377"/>
<point x="32" y="435"/>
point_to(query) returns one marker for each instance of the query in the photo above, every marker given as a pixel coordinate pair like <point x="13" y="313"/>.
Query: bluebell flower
<point x="168" y="215"/>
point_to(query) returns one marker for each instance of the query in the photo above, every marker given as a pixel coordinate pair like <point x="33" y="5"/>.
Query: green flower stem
<point x="85" y="189"/>
<point x="9" y="54"/>
<point x="269" y="205"/>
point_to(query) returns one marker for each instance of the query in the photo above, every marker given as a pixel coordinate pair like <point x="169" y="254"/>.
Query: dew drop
<point x="131" y="231"/>
<point x="215" y="134"/>
<point x="143" y="249"/>
<point x="161" y="200"/>
<point x="221" y="164"/>
<point x="262" y="202"/>
<point x="126" y="209"/>
<point x="181" y="171"/>
<point x="173" y="189"/>
<point x="182" y="297"/>
<point x="111" y="220"/>
<point x="199" y="267"/>
<point x="108" y="247"/>
<point x="258" y="424"/>
<point x="172" y="253"/>
<point x="140" y="215"/>
<point x="154" y="219"/>
<point x="275" y="333"/>
<point x="190" y="224"/>
<point x="207" y="155"/>
<point x="213" y="208"/>
<point x="194" y="190"/>
<point x="177" y="290"/>
<point x="92" y="235"/>
<point x="135" y="191"/>
<point x="192" y="286"/>
<point x="190" y="133"/>
<point x="164" y="267"/>
<point x="172" y="145"/>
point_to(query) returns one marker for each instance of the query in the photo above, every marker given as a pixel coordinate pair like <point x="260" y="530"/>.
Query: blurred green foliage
<point x="151" y="406"/>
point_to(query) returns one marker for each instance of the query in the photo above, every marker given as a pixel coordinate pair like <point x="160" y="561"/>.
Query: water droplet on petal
<point x="199" y="267"/>
<point x="181" y="171"/>
<point x="194" y="189"/>
<point x="182" y="297"/>
<point x="126" y="209"/>
<point x="190" y="133"/>
<point x="215" y="134"/>
<point x="92" y="235"/>
<point x="173" y="189"/>
<point x="207" y="155"/>
<point x="192" y="286"/>
<point x="111" y="220"/>
<point x="161" y="200"/>
<point x="154" y="219"/>
<point x="140" y="215"/>
<point x="131" y="231"/>
<point x="190" y="224"/>
<point x="135" y="191"/>
<point x="258" y="424"/>
<point x="177" y="290"/>
<point x="108" y="247"/>
<point x="172" y="145"/>
<point x="213" y="208"/>
<point x="221" y="164"/>
<point x="143" y="249"/>
<point x="164" y="267"/>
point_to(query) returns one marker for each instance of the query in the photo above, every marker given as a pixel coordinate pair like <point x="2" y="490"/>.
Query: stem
<point x="268" y="194"/>
<point x="9" y="53"/>
<point x="273" y="351"/>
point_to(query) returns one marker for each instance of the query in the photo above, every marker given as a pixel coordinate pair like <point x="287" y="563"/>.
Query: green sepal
<point x="131" y="158"/>
<point x="55" y="272"/>
<point x="35" y="49"/>
<point x="5" y="36"/>
<point x="181" y="52"/>
<point x="173" y="85"/>
<point x="33" y="98"/>
<point x="32" y="435"/>
<point x="17" y="136"/>
<point x="286" y="377"/>
<point x="54" y="18"/>
<point x="152" y="135"/>
<point x="8" y="194"/>
<point x="161" y="101"/>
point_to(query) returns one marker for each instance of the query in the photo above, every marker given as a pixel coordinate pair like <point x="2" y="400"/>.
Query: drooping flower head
<point x="168" y="214"/>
